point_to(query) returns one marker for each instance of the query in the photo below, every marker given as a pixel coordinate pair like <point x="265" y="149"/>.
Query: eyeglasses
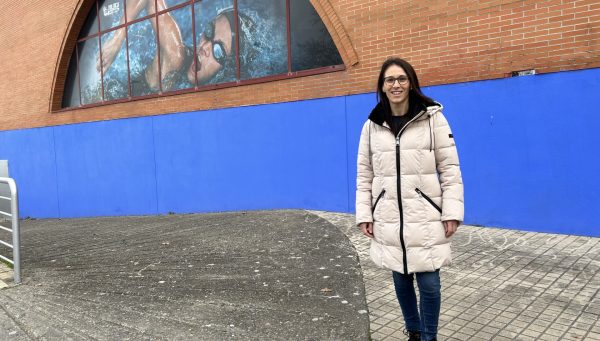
<point x="391" y="80"/>
<point x="218" y="49"/>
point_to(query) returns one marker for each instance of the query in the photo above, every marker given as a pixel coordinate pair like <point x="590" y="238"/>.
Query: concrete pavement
<point x="103" y="281"/>
<point x="269" y="275"/>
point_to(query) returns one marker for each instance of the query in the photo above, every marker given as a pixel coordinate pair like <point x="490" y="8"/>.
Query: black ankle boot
<point x="414" y="336"/>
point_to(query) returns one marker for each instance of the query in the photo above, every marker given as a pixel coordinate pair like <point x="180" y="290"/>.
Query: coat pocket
<point x="377" y="201"/>
<point x="428" y="200"/>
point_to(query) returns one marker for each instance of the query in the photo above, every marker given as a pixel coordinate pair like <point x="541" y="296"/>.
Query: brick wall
<point x="447" y="41"/>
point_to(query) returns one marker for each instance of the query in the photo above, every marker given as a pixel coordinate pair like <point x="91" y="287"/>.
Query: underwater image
<point x="110" y="13"/>
<point x="177" y="49"/>
<point x="89" y="75"/>
<point x="142" y="51"/>
<point x="194" y="44"/>
<point x="115" y="77"/>
<point x="263" y="38"/>
<point x="215" y="43"/>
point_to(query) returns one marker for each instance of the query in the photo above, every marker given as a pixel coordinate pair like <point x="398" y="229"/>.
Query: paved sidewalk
<point x="504" y="285"/>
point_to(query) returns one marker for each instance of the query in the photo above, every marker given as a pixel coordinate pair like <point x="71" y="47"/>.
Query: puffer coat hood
<point x="407" y="185"/>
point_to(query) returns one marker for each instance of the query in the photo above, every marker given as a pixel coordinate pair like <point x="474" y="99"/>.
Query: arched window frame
<point x="323" y="8"/>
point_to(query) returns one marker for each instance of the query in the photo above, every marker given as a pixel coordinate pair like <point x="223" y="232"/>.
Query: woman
<point x="409" y="197"/>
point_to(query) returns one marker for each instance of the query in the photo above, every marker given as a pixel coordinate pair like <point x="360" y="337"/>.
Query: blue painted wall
<point x="526" y="146"/>
<point x="528" y="150"/>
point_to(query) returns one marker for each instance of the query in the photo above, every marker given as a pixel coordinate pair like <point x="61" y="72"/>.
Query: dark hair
<point x="415" y="94"/>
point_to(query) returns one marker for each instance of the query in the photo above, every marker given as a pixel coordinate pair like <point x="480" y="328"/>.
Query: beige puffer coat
<point x="409" y="234"/>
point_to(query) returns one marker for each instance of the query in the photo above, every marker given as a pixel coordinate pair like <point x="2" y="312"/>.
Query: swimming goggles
<point x="218" y="49"/>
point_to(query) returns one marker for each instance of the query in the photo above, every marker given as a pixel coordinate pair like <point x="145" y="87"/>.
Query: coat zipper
<point x="377" y="200"/>
<point x="398" y="188"/>
<point x="400" y="204"/>
<point x="429" y="200"/>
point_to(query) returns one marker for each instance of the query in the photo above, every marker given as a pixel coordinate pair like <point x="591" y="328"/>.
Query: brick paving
<point x="503" y="285"/>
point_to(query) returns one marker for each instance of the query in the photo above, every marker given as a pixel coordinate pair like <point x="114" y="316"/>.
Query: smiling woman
<point x="409" y="192"/>
<point x="135" y="48"/>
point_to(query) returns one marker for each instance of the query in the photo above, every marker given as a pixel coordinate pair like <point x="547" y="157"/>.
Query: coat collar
<point x="379" y="113"/>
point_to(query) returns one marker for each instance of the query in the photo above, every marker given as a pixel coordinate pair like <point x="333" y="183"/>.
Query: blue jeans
<point x="430" y="292"/>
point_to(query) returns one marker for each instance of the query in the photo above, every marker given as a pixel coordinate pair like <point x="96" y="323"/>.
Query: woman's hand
<point x="450" y="226"/>
<point x="367" y="229"/>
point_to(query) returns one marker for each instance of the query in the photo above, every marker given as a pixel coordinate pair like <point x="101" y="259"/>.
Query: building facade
<point x="289" y="141"/>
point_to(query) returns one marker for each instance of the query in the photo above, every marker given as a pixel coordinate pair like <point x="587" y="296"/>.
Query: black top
<point x="398" y="122"/>
<point x="381" y="114"/>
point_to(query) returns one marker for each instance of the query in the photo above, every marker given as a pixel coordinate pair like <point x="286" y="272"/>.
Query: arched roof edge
<point x="67" y="47"/>
<point x="336" y="30"/>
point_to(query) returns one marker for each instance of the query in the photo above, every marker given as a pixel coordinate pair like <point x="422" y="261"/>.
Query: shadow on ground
<point x="267" y="275"/>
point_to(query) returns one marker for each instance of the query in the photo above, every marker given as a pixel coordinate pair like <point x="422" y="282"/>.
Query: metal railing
<point x="14" y="217"/>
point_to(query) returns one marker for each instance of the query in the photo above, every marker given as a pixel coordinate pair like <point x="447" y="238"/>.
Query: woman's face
<point x="396" y="85"/>
<point x="211" y="51"/>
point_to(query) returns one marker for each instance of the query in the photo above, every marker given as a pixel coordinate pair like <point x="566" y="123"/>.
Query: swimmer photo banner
<point x="136" y="48"/>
